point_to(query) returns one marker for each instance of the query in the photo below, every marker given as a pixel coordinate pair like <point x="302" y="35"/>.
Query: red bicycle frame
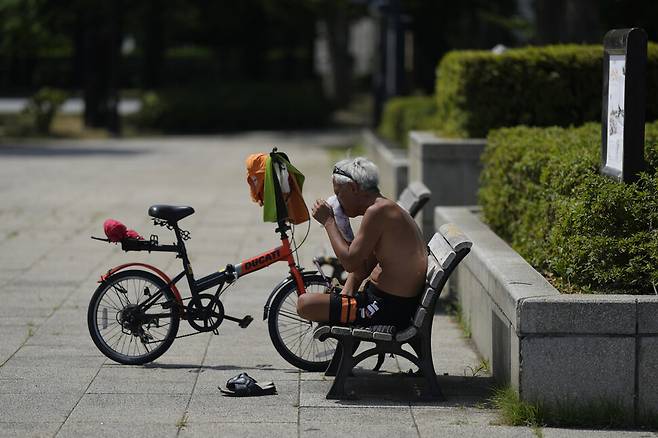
<point x="278" y="254"/>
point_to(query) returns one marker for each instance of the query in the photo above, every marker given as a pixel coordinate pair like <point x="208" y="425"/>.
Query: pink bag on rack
<point x="116" y="231"/>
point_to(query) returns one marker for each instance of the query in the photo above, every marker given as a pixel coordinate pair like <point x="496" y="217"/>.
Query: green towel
<point x="269" y="201"/>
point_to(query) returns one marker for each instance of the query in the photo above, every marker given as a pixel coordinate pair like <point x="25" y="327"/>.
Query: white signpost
<point x="624" y="95"/>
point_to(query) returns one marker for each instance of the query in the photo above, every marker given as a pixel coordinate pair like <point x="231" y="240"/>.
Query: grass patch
<point x="515" y="412"/>
<point x="182" y="422"/>
<point x="602" y="414"/>
<point x="482" y="367"/>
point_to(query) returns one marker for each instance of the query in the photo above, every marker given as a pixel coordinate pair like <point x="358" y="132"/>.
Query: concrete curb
<point x="449" y="167"/>
<point x="580" y="349"/>
<point x="392" y="163"/>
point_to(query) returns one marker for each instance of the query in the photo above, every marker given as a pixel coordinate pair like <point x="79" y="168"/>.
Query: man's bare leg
<point x="314" y="307"/>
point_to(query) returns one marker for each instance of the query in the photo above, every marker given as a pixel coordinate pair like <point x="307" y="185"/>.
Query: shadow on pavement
<point x="196" y="367"/>
<point x="64" y="151"/>
<point x="401" y="387"/>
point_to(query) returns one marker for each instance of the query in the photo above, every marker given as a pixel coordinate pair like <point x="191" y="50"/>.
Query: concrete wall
<point x="392" y="163"/>
<point x="449" y="167"/>
<point x="580" y="349"/>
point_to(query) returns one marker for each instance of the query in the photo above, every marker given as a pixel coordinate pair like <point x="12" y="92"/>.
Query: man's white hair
<point x="359" y="170"/>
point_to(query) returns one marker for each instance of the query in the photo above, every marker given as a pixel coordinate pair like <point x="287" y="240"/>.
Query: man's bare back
<point x="400" y="252"/>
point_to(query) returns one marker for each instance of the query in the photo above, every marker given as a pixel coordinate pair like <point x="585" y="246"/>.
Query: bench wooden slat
<point x="406" y="199"/>
<point x="362" y="333"/>
<point x="382" y="336"/>
<point x="406" y="334"/>
<point x="421" y="313"/>
<point x="338" y="330"/>
<point x="434" y="272"/>
<point x="428" y="297"/>
<point x="455" y="237"/>
<point x="442" y="250"/>
<point x="414" y="197"/>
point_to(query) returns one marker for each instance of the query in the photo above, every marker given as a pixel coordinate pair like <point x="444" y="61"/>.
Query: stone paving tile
<point x="67" y="356"/>
<point x="12" y="337"/>
<point x="340" y="430"/>
<point x="36" y="408"/>
<point x="141" y="380"/>
<point x="45" y="380"/>
<point x="354" y="416"/>
<point x="129" y="408"/>
<point x="237" y="430"/>
<point x="118" y="430"/>
<point x="313" y="394"/>
<point x="35" y="430"/>
<point x="282" y="407"/>
<point x="465" y="431"/>
<point x="27" y="314"/>
<point x="450" y="416"/>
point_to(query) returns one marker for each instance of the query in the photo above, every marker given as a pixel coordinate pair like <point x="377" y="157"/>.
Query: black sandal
<point x="244" y="385"/>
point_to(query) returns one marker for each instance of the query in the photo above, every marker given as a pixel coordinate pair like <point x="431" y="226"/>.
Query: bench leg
<point x="426" y="365"/>
<point x="337" y="390"/>
<point x="335" y="359"/>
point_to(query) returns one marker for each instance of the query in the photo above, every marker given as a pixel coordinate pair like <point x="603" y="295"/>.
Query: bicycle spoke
<point x="293" y="317"/>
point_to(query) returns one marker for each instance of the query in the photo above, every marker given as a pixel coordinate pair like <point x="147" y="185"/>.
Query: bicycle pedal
<point x="244" y="323"/>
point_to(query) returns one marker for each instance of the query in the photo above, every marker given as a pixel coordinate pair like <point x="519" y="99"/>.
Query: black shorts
<point x="372" y="307"/>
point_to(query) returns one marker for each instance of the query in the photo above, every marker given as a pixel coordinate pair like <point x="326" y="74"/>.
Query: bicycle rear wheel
<point x="292" y="335"/>
<point x="122" y="331"/>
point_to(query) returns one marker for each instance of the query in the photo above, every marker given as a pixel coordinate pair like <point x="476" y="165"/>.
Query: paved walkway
<point x="54" y="382"/>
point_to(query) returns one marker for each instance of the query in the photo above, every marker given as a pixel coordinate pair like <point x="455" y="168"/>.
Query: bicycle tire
<point x="291" y="335"/>
<point x="105" y="313"/>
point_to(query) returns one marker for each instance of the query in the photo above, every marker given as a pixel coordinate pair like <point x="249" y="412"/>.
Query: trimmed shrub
<point x="43" y="106"/>
<point x="234" y="106"/>
<point x="477" y="91"/>
<point x="542" y="192"/>
<point x="404" y="114"/>
<point x="37" y="116"/>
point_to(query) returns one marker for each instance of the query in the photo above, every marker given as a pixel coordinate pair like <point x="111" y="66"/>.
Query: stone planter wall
<point x="449" y="167"/>
<point x="576" y="349"/>
<point x="392" y="162"/>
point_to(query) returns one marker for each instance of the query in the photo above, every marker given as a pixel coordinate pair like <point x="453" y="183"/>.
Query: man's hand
<point x="322" y="212"/>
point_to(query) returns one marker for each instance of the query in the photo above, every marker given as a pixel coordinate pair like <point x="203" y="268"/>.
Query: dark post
<point x="388" y="77"/>
<point x="624" y="97"/>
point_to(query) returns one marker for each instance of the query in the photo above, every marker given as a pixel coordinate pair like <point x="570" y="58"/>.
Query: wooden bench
<point x="447" y="249"/>
<point x="414" y="197"/>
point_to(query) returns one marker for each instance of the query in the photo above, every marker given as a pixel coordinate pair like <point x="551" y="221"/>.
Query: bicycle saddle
<point x="171" y="213"/>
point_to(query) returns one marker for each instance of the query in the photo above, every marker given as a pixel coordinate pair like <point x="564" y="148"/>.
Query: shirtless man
<point x="388" y="249"/>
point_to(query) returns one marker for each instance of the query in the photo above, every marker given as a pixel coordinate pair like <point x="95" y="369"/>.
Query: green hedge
<point x="542" y="192"/>
<point x="537" y="86"/>
<point x="235" y="106"/>
<point x="404" y="114"/>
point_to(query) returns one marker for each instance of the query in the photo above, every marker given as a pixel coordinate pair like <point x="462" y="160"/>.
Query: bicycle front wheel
<point x="124" y="332"/>
<point x="292" y="335"/>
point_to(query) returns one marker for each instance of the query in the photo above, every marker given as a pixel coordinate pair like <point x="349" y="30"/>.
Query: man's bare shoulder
<point x="383" y="207"/>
